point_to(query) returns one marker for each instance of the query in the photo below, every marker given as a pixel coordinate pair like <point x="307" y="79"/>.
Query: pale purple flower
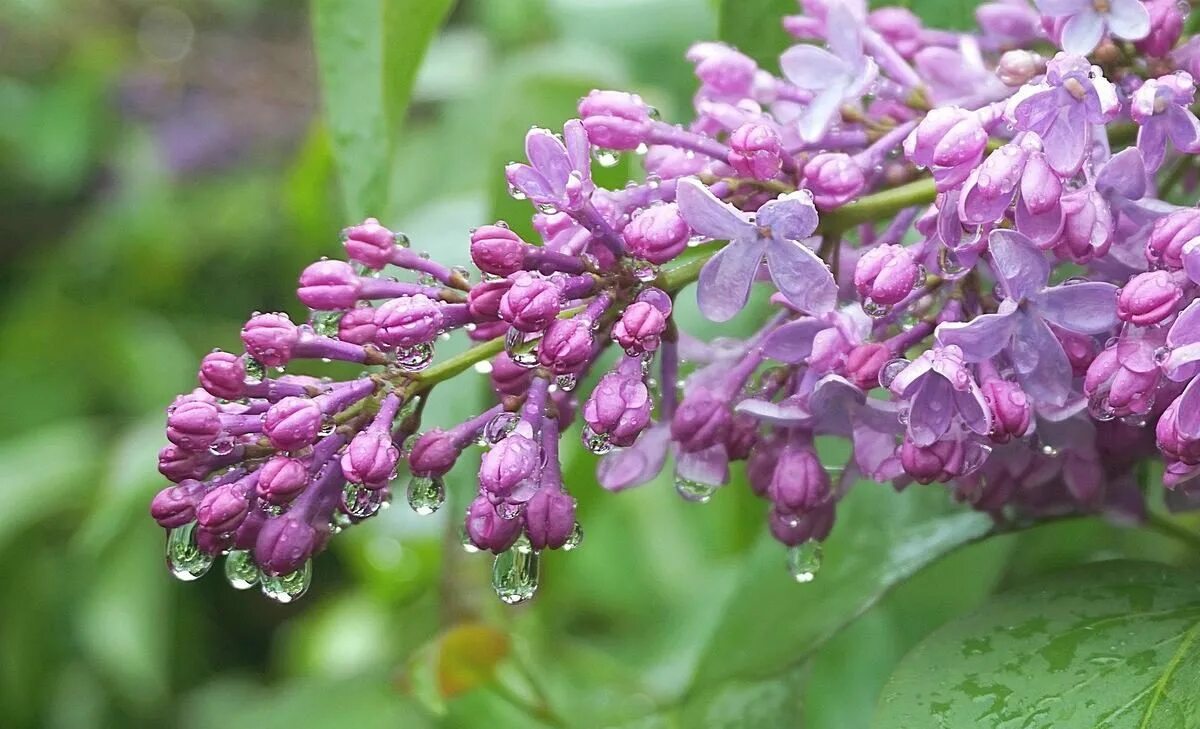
<point x="1182" y="364"/>
<point x="778" y="231"/>
<point x="1021" y="326"/>
<point x="558" y="176"/>
<point x="1088" y="20"/>
<point x="1162" y="109"/>
<point x="949" y="141"/>
<point x="839" y="74"/>
<point x="938" y="388"/>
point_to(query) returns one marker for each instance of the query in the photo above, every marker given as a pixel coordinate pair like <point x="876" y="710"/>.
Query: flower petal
<point x="1066" y="139"/>
<point x="785" y="413"/>
<point x="725" y="280"/>
<point x="973" y="409"/>
<point x="1087" y="308"/>
<point x="810" y="67"/>
<point x="1128" y="19"/>
<point x="1017" y="262"/>
<point x="843" y="32"/>
<point x="1082" y="32"/>
<point x="548" y="156"/>
<point x="1152" y="142"/>
<point x="530" y="182"/>
<point x="793" y="342"/>
<point x="637" y="464"/>
<point x="1124" y="175"/>
<point x="1184" y="129"/>
<point x="792" y="216"/>
<point x="707" y="215"/>
<point x="1057" y="8"/>
<point x="821" y="110"/>
<point x="1188" y="419"/>
<point x="931" y="410"/>
<point x="980" y="339"/>
<point x="709" y="466"/>
<point x="1041" y="364"/>
<point x="579" y="153"/>
<point x="801" y="276"/>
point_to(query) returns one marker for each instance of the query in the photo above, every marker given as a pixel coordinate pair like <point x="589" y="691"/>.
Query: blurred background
<point x="163" y="172"/>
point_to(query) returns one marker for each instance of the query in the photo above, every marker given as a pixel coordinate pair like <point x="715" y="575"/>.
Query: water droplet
<point x="361" y="502"/>
<point x="597" y="443"/>
<point x="566" y="382"/>
<point x="605" y="157"/>
<point x="1099" y="407"/>
<point x="645" y="271"/>
<point x="574" y="539"/>
<point x="465" y="540"/>
<point x="521" y="348"/>
<point x="325" y="323"/>
<point x="515" y="575"/>
<point x="327" y="428"/>
<point x="221" y="447"/>
<point x="184" y="559"/>
<point x="508" y="511"/>
<point x="255" y="371"/>
<point x="1161" y="355"/>
<point x="402" y="240"/>
<point x="975" y="454"/>
<point x="1049" y="450"/>
<point x="890" y="370"/>
<point x="694" y="491"/>
<point x="515" y="192"/>
<point x="547" y="208"/>
<point x="804" y="560"/>
<point x="462" y="272"/>
<point x="948" y="262"/>
<point x="415" y="358"/>
<point x="498" y="428"/>
<point x="875" y="310"/>
<point x="290" y="587"/>
<point x="426" y="494"/>
<point x="484" y="367"/>
<point x="240" y="570"/>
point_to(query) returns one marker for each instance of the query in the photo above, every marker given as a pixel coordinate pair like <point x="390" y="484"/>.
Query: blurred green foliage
<point x="164" y="171"/>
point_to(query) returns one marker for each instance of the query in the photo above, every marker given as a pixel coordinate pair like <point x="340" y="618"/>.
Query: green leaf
<point x="1107" y="646"/>
<point x="881" y="538"/>
<point x="368" y="52"/>
<point x="755" y="27"/>
<point x="940" y="13"/>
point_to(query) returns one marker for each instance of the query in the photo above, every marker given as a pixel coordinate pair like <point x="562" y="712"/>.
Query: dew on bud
<point x="327" y="428"/>
<point x="255" y="371"/>
<point x="948" y="262"/>
<point x="605" y="157"/>
<point x="401" y="240"/>
<point x="1161" y="355"/>
<point x="221" y="447"/>
<point x="975" y="454"/>
<point x="515" y="575"/>
<point x="462" y="272"/>
<point x="1099" y="407"/>
<point x="465" y="540"/>
<point x="890" y="371"/>
<point x="184" y="558"/>
<point x="804" y="560"/>
<point x="521" y="349"/>
<point x="547" y="208"/>
<point x="597" y="443"/>
<point x="498" y="428"/>
<point x="325" y="323"/>
<point x="508" y="511"/>
<point x="415" y="358"/>
<point x="426" y="494"/>
<point x="566" y="382"/>
<point x="645" y="271"/>
<point x="574" y="539"/>
<point x="290" y="587"/>
<point x="876" y="310"/>
<point x="694" y="491"/>
<point x="240" y="570"/>
<point x="361" y="502"/>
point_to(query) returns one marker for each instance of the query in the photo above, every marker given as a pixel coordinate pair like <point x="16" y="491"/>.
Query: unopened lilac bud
<point x="488" y="530"/>
<point x="1088" y="229"/>
<point x="800" y="482"/>
<point x="531" y="303"/>
<point x="485" y="296"/>
<point x="357" y="326"/>
<point x="567" y="345"/>
<point x="760" y="466"/>
<point x="900" y="27"/>
<point x="497" y="250"/>
<point x="407" y="321"/>
<point x="834" y="179"/>
<point x="700" y="421"/>
<point x="1012" y="412"/>
<point x="211" y="542"/>
<point x="1171" y="442"/>
<point x="223" y="375"/>
<point x="657" y="234"/>
<point x="292" y="423"/>
<point x="1116" y="390"/>
<point x="328" y="285"/>
<point x="619" y="407"/>
<point x="886" y="274"/>
<point x="509" y="469"/>
<point x="951" y="141"/>
<point x="223" y="509"/>
<point x="792" y="529"/>
<point x="270" y="338"/>
<point x="756" y="151"/>
<point x="371" y="458"/>
<point x="434" y="454"/>
<point x="284" y="544"/>
<point x="640" y="327"/>
<point x="1011" y="23"/>
<point x="742" y="436"/>
<point x="175" y="505"/>
<point x="863" y="363"/>
<point x="1018" y="67"/>
<point x="723" y="69"/>
<point x="508" y="377"/>
<point x="178" y="464"/>
<point x="1148" y="298"/>
<point x="1169" y="236"/>
<point x="194" y="425"/>
<point x="281" y="479"/>
<point x="369" y="243"/>
<point x="549" y="518"/>
<point x="615" y="119"/>
<point x="942" y="461"/>
<point x="1166" y="26"/>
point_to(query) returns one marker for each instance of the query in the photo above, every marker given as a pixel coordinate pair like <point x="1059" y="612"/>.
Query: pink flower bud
<point x="369" y="243"/>
<point x="175" y="505"/>
<point x="640" y="327"/>
<point x="223" y="509"/>
<point x="531" y="303"/>
<point x="1018" y="67"/>
<point x="723" y="69"/>
<point x="619" y="407"/>
<point x="864" y="362"/>
<point x="800" y="482"/>
<point x="292" y="423"/>
<point x="657" y="234"/>
<point x="1012" y="412"/>
<point x="484" y="298"/>
<point x="284" y="544"/>
<point x="886" y="274"/>
<point x="357" y="326"/>
<point x="328" y="285"/>
<point x="1148" y="298"/>
<point x="370" y="458"/>
<point x="270" y="338"/>
<point x="756" y="151"/>
<point x="1171" y="442"/>
<point x="508" y="377"/>
<point x="1166" y="26"/>
<point x="942" y="461"/>
<point x="567" y="345"/>
<point x="1169" y="236"/>
<point x="407" y="321"/>
<point x="487" y="530"/>
<point x="497" y="250"/>
<point x="194" y="425"/>
<point x="281" y="479"/>
<point x="434" y="454"/>
<point x="549" y="518"/>
<point x="700" y="421"/>
<point x="834" y="179"/>
<point x="615" y="119"/>
<point x="793" y="530"/>
<point x="509" y="470"/>
<point x="223" y="375"/>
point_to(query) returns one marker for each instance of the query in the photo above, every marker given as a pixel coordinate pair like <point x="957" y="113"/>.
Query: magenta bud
<point x="175" y="505"/>
<point x="223" y="375"/>
<point x="178" y="463"/>
<point x="369" y="243"/>
<point x="222" y="510"/>
<point x="863" y="363"/>
<point x="370" y="458"/>
<point x="700" y="421"/>
<point x="1171" y="442"/>
<point x="357" y="326"/>
<point x="1148" y="298"/>
<point x="1169" y="236"/>
<point x="1080" y="349"/>
<point x="1166" y="26"/>
<point x="407" y="321"/>
<point x="723" y="69"/>
<point x="760" y="466"/>
<point x="742" y="437"/>
<point x="497" y="250"/>
<point x="886" y="274"/>
<point x="284" y="544"/>
<point x="1019" y="67"/>
<point x="640" y="327"/>
<point x="434" y="454"/>
<point x="947" y="137"/>
<point x="487" y="530"/>
<point x="485" y="296"/>
<point x="531" y="303"/>
<point x="508" y="377"/>
<point x="328" y="285"/>
<point x="1012" y="412"/>
<point x="281" y="479"/>
<point x="834" y="179"/>
<point x="270" y="338"/>
<point x="193" y="424"/>
<point x="657" y="234"/>
<point x="1118" y="390"/>
<point x="549" y="519"/>
<point x="943" y="461"/>
<point x="615" y="119"/>
<point x="292" y="423"/>
<point x="567" y="345"/>
<point x="619" y="407"/>
<point x="756" y="151"/>
<point x="509" y="470"/>
<point x="792" y="529"/>
<point x="800" y="482"/>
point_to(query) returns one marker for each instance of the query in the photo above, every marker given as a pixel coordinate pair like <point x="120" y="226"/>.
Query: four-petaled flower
<point x="559" y="174"/>
<point x="1087" y="20"/>
<point x="938" y="386"/>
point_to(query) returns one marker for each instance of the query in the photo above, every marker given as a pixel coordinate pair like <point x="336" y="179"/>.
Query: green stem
<point x="878" y="206"/>
<point x="459" y="363"/>
<point x="1166" y="527"/>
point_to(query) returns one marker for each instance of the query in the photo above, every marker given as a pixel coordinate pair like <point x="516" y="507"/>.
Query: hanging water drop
<point x="325" y="323"/>
<point x="290" y="587"/>
<point x="465" y="540"/>
<point x="566" y="382"/>
<point x="221" y="447"/>
<point x="498" y="428"/>
<point x="426" y="494"/>
<point x="515" y="192"/>
<point x="645" y="271"/>
<point x="240" y="570"/>
<point x="605" y="157"/>
<point x="876" y="310"/>
<point x="574" y="539"/>
<point x="694" y="491"/>
<point x="547" y="208"/>
<point x="184" y="558"/>
<point x="255" y="371"/>
<point x="948" y="262"/>
<point x="401" y="239"/>
<point x="597" y="443"/>
<point x="890" y="370"/>
<point x="515" y="575"/>
<point x="508" y="510"/>
<point x="521" y="349"/>
<point x="415" y="358"/>
<point x="361" y="502"/>
<point x="804" y="560"/>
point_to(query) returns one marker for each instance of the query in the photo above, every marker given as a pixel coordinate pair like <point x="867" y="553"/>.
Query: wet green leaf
<point x="1106" y="646"/>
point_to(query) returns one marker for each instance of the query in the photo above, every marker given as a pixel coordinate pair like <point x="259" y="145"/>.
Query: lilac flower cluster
<point x="977" y="281"/>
